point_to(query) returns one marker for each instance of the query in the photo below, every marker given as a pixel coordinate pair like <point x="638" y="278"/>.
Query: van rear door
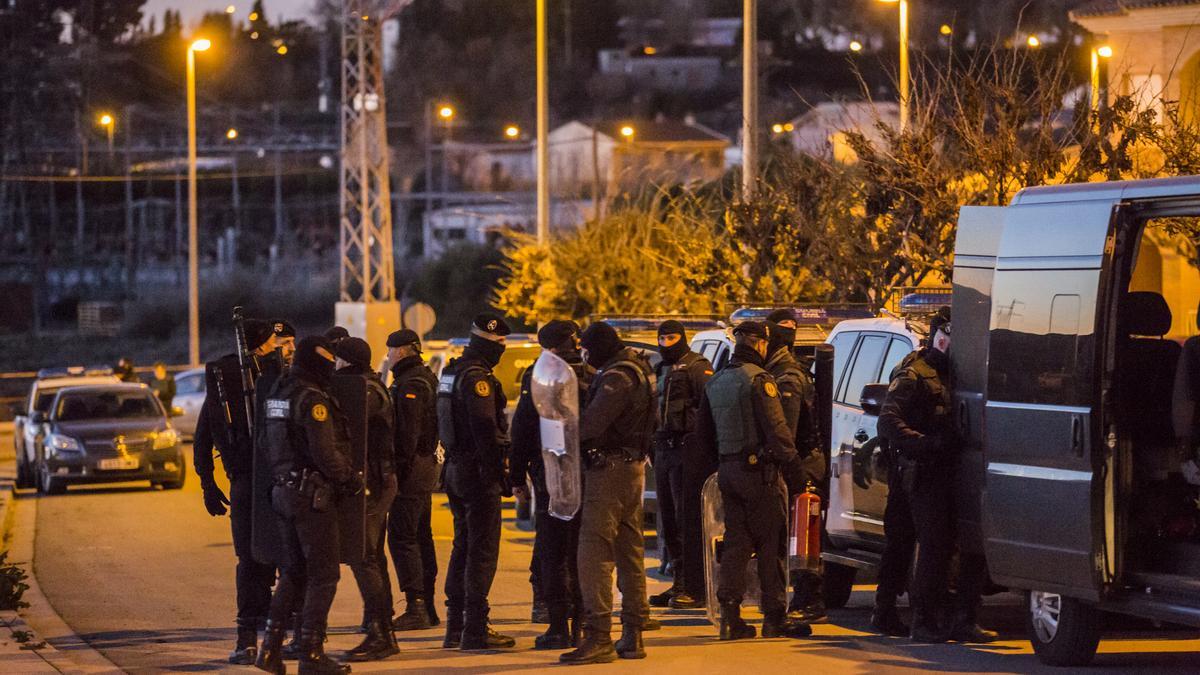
<point x="1042" y="503"/>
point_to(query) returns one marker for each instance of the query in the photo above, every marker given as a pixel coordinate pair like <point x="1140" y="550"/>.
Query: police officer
<point x="474" y="430"/>
<point x="285" y="340"/>
<point x="615" y="429"/>
<point x="556" y="541"/>
<point x="222" y="425"/>
<point x="410" y="534"/>
<point x="308" y="445"/>
<point x="354" y="358"/>
<point x="741" y="420"/>
<point x="797" y="395"/>
<point x="916" y="421"/>
<point x="681" y="376"/>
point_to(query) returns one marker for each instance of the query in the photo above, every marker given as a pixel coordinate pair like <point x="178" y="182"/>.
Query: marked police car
<point x="813" y="324"/>
<point x="41" y="395"/>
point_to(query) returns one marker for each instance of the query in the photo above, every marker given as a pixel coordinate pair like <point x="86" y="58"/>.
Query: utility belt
<point x="669" y="440"/>
<point x="309" y="484"/>
<point x="600" y="458"/>
<point x="754" y="459"/>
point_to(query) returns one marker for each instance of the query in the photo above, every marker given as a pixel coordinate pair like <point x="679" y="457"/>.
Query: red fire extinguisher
<point x="805" y="542"/>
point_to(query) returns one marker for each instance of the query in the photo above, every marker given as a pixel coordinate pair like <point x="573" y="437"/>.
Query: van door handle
<point x="861" y="436"/>
<point x="1077" y="435"/>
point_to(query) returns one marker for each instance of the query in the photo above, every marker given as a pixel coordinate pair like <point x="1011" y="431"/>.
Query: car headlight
<point x="166" y="439"/>
<point x="60" y="443"/>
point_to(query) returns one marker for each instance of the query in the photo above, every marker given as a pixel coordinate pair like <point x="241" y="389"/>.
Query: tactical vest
<point x="729" y="396"/>
<point x="636" y="435"/>
<point x="676" y="401"/>
<point x="448" y="390"/>
<point x="287" y="445"/>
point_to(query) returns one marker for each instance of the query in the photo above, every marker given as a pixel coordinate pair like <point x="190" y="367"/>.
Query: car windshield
<point x="106" y="405"/>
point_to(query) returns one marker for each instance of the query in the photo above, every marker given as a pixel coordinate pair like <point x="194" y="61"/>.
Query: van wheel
<point x="1064" y="631"/>
<point x="839" y="583"/>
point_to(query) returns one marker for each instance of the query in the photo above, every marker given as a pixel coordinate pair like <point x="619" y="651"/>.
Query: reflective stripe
<point x="1039" y="472"/>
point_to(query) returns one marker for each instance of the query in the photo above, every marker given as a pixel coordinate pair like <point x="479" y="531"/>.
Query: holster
<point x="317" y="488"/>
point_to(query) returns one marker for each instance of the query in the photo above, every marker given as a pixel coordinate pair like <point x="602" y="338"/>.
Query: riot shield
<point x="266" y="534"/>
<point x="555" y="391"/>
<point x="712" y="516"/>
<point x="350" y="392"/>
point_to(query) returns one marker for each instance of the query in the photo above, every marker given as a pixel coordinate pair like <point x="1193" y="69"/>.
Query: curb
<point x="63" y="651"/>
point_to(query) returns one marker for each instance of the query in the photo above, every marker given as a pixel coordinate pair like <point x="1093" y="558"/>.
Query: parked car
<point x="106" y="433"/>
<point x="190" y="390"/>
<point x="41" y="395"/>
<point x="813" y="325"/>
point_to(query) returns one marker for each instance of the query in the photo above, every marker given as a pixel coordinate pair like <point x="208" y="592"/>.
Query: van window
<point x="190" y="384"/>
<point x="843" y="345"/>
<point x="867" y="361"/>
<point x="899" y="348"/>
<point x="722" y="358"/>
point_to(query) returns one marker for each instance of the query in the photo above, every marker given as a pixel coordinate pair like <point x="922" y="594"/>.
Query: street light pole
<point x="1103" y="51"/>
<point x="543" y="130"/>
<point x="905" y="81"/>
<point x="749" y="97"/>
<point x="193" y="244"/>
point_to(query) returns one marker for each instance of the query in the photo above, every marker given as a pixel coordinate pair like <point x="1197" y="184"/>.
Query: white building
<point x="822" y="130"/>
<point x="487" y="223"/>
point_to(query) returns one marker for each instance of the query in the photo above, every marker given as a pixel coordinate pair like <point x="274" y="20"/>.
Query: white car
<point x="190" y="389"/>
<point x="865" y="353"/>
<point x="41" y="394"/>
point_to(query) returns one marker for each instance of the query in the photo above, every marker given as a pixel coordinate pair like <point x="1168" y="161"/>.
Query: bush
<point x="12" y="584"/>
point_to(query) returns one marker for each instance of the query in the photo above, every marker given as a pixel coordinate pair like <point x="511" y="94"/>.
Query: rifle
<point x="246" y="364"/>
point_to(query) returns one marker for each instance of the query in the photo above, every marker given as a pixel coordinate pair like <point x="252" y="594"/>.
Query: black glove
<point x="353" y="486"/>
<point x="861" y="467"/>
<point x="215" y="501"/>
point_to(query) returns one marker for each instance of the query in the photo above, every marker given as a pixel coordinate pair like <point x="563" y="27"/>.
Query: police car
<point x="26" y="433"/>
<point x="813" y="325"/>
<point x="865" y="353"/>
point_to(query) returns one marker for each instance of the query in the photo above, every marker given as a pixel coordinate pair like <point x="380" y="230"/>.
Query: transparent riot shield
<point x="712" y="516"/>
<point x="555" y="391"/>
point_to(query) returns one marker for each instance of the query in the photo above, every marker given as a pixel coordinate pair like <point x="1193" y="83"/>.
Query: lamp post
<point x="749" y="97"/>
<point x="193" y="254"/>
<point x="107" y="121"/>
<point x="1100" y="52"/>
<point x="543" y="128"/>
<point x="904" y="77"/>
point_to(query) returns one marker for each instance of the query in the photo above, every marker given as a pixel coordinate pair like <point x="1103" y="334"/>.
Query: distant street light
<point x="446" y="112"/>
<point x="106" y="120"/>
<point x="232" y="134"/>
<point x="777" y="128"/>
<point x="946" y="29"/>
<point x="512" y="131"/>
<point x="282" y="50"/>
<point x="904" y="83"/>
<point x="1105" y="52"/>
<point x="199" y="45"/>
<point x="253" y="16"/>
<point x="855" y="46"/>
<point x="230" y="9"/>
<point x="627" y="132"/>
<point x="1033" y="42"/>
<point x="1101" y="52"/>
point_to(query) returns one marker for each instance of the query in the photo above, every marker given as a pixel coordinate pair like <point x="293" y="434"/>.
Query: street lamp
<point x="446" y="113"/>
<point x="232" y="134"/>
<point x="855" y="46"/>
<point x="199" y="45"/>
<point x="904" y="83"/>
<point x="512" y="131"/>
<point x="106" y="120"/>
<point x="1100" y="52"/>
<point x="627" y="132"/>
<point x="1033" y="42"/>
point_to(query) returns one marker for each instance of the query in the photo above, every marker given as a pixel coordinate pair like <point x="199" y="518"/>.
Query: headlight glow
<point x="61" y="443"/>
<point x="166" y="439"/>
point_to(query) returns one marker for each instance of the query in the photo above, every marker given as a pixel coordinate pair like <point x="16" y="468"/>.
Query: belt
<point x="291" y="478"/>
<point x="752" y="459"/>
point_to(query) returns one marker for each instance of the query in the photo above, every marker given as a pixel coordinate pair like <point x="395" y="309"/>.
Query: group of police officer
<point x="300" y="498"/>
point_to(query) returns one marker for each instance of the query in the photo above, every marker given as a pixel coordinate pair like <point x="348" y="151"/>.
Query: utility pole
<point x="277" y="239"/>
<point x="749" y="98"/>
<point x="130" y="239"/>
<point x="543" y="130"/>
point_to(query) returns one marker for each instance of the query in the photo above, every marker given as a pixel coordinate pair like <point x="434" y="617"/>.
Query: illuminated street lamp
<point x="777" y="128"/>
<point x="446" y="112"/>
<point x="627" y="132"/>
<point x="855" y="46"/>
<point x="1033" y="42"/>
<point x="230" y="9"/>
<point x="232" y="134"/>
<point x="904" y="83"/>
<point x="512" y="131"/>
<point x="946" y="29"/>
<point x="281" y="50"/>
<point x="106" y="120"/>
<point x="1100" y="52"/>
<point x="199" y="45"/>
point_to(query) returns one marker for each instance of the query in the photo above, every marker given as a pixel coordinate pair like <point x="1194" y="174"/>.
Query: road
<point x="146" y="577"/>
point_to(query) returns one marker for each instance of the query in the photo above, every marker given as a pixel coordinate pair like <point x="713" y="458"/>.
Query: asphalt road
<point x="146" y="577"/>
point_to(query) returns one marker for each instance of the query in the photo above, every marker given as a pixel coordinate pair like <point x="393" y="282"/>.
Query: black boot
<point x="808" y="598"/>
<point x="292" y="650"/>
<point x="415" y="616"/>
<point x="558" y="635"/>
<point x="684" y="600"/>
<point x="454" y="628"/>
<point x="270" y="656"/>
<point x="776" y="624"/>
<point x="431" y="609"/>
<point x="630" y="645"/>
<point x="886" y="620"/>
<point x="664" y="599"/>
<point x="595" y="647"/>
<point x="477" y="635"/>
<point x="246" y="650"/>
<point x="925" y="628"/>
<point x="966" y="629"/>
<point x="732" y="626"/>
<point x="379" y="644"/>
<point x="313" y="658"/>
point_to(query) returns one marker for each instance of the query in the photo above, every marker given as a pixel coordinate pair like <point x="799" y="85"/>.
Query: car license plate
<point x="119" y="464"/>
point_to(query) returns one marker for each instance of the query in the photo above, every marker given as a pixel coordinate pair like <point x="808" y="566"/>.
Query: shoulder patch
<point x="770" y="389"/>
<point x="320" y="413"/>
<point x="483" y="389"/>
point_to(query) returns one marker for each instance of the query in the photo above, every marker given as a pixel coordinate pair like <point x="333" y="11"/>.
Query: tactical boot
<point x="379" y="644"/>
<point x="965" y="629"/>
<point x="540" y="613"/>
<point x="808" y="599"/>
<point x="776" y="624"/>
<point x="651" y="624"/>
<point x="886" y="620"/>
<point x="270" y="657"/>
<point x="474" y="639"/>
<point x="558" y="635"/>
<point x="415" y="616"/>
<point x="432" y="610"/>
<point x="630" y="645"/>
<point x="246" y="650"/>
<point x="292" y="650"/>
<point x="732" y="626"/>
<point x="684" y="600"/>
<point x="596" y="647"/>
<point x="313" y="658"/>
<point x="664" y="599"/>
<point x="925" y="628"/>
<point x="576" y="630"/>
<point x="454" y="629"/>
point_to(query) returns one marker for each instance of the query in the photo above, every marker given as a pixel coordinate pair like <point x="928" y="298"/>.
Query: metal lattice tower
<point x="368" y="270"/>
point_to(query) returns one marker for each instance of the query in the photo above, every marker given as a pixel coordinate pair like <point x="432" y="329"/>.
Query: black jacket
<point x="414" y="394"/>
<point x="305" y="429"/>
<point x="916" y="415"/>
<point x="619" y="415"/>
<point x="774" y="432"/>
<point x="381" y="460"/>
<point x="477" y="413"/>
<point x="221" y="423"/>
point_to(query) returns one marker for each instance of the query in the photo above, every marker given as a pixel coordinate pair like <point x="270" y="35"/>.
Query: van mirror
<point x="176" y="411"/>
<point x="37" y="417"/>
<point x="872" y="398"/>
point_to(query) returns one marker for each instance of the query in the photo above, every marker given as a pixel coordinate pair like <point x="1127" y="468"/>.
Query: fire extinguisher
<point x="805" y="542"/>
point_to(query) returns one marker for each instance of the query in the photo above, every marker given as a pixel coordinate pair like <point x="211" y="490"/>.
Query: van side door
<point x="1042" y="505"/>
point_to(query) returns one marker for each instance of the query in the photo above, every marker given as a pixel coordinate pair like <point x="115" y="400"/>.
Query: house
<point x="1155" y="49"/>
<point x="822" y="130"/>
<point x="483" y="222"/>
<point x="490" y="166"/>
<point x="613" y="157"/>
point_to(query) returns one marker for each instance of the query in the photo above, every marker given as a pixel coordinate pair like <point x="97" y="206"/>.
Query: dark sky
<point x="193" y="9"/>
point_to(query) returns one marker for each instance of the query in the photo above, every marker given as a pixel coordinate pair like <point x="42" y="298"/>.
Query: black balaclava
<point x="489" y="351"/>
<point x="312" y="364"/>
<point x="781" y="338"/>
<point x="601" y="342"/>
<point x="676" y="351"/>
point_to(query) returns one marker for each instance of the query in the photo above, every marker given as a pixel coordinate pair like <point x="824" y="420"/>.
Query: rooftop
<point x="1121" y="7"/>
<point x="661" y="131"/>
